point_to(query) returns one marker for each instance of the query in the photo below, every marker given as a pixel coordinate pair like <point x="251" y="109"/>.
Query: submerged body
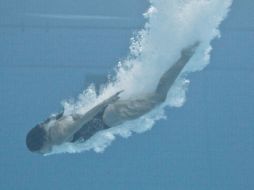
<point x="109" y="113"/>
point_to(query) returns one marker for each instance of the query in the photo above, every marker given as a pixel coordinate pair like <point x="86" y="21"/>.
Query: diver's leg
<point x="169" y="77"/>
<point x="125" y="110"/>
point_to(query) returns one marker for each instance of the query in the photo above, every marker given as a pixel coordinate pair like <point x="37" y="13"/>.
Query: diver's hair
<point x="35" y="138"/>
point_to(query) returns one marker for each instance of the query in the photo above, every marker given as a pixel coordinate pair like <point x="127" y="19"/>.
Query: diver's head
<point x="35" y="138"/>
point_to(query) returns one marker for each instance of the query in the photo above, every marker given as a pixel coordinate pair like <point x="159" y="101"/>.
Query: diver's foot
<point x="189" y="51"/>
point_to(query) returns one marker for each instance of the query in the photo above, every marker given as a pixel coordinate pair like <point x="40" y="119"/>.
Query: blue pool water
<point x="207" y="143"/>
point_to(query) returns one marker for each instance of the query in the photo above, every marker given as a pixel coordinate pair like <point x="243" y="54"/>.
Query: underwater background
<point x="50" y="51"/>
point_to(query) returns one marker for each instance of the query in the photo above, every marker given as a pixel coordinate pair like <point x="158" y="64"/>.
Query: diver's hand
<point x="112" y="99"/>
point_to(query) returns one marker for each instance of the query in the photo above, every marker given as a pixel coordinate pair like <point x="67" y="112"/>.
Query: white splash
<point x="171" y="26"/>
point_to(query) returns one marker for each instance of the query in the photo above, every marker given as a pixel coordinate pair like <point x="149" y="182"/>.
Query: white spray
<point x="171" y="26"/>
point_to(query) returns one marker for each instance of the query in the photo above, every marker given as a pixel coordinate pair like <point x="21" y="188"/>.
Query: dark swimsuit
<point x="90" y="128"/>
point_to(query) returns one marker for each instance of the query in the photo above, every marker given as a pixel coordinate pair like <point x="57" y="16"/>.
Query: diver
<point x="109" y="113"/>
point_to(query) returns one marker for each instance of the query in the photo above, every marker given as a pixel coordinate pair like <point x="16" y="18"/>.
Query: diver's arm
<point x="67" y="126"/>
